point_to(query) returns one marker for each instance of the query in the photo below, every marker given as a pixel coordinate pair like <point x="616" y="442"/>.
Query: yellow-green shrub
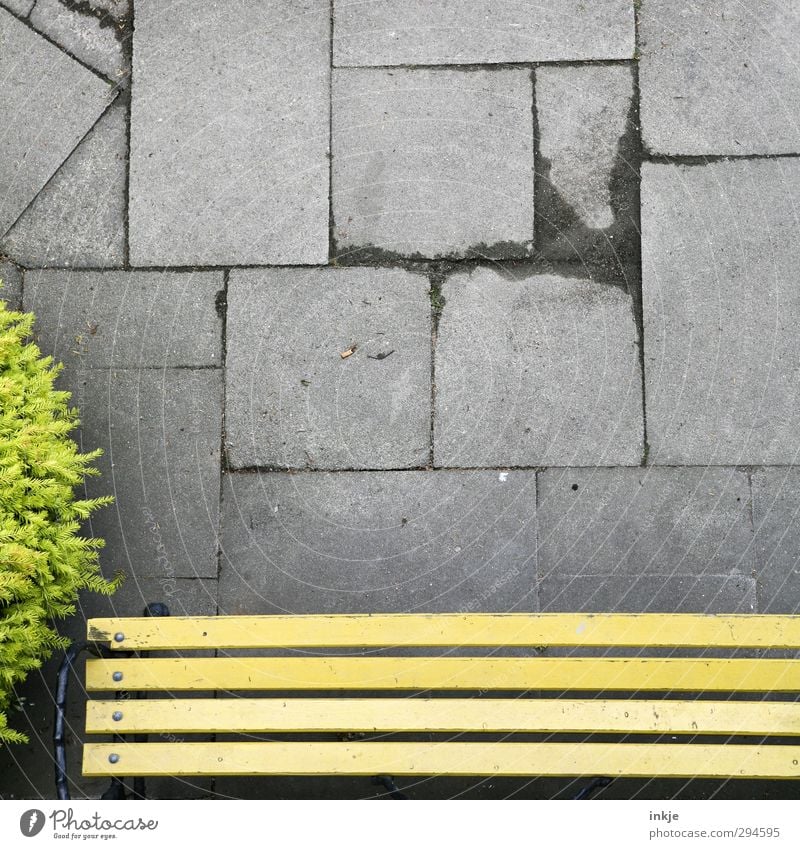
<point x="44" y="559"/>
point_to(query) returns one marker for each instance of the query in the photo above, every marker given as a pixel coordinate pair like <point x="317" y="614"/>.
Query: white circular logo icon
<point x="31" y="822"/>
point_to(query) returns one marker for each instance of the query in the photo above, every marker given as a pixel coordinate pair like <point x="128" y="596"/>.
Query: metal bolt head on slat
<point x="119" y="637"/>
<point x="113" y="758"/>
<point x="117" y="715"/>
<point x="117" y="676"/>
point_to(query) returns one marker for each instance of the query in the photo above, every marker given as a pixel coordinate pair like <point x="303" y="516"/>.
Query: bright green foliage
<point x="44" y="560"/>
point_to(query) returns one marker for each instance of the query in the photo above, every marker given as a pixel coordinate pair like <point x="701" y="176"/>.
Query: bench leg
<point x="59" y="736"/>
<point x="595" y="784"/>
<point x="116" y="789"/>
<point x="388" y="782"/>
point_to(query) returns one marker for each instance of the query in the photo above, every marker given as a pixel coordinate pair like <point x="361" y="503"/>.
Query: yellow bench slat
<point x="444" y="673"/>
<point x="189" y="716"/>
<point x="511" y="629"/>
<point x="520" y="759"/>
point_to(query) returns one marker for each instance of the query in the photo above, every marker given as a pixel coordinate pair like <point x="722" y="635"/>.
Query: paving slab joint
<point x="374" y="257"/>
<point x="125" y="101"/>
<point x="361" y="470"/>
<point x="437" y="277"/>
<point x="370" y="254"/>
<point x="709" y="158"/>
<point x="479" y="67"/>
<point x="221" y="305"/>
<point x="635" y="128"/>
<point x="759" y="606"/>
<point x="331" y="231"/>
<point x="637" y="11"/>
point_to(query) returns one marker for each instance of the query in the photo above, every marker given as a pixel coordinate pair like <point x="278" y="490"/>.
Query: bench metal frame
<point x="116" y="789"/>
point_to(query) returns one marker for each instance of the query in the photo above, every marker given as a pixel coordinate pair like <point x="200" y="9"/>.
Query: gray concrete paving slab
<point x="648" y="594"/>
<point x="448" y="32"/>
<point x="78" y="219"/>
<point x="378" y="542"/>
<point x="296" y="398"/>
<point x="720" y="77"/>
<point x="720" y="249"/>
<point x="432" y="163"/>
<point x="48" y="102"/>
<point x="666" y="521"/>
<point x="776" y="513"/>
<point x="123" y="319"/>
<point x="229" y="140"/>
<point x="535" y="371"/>
<point x="160" y="432"/>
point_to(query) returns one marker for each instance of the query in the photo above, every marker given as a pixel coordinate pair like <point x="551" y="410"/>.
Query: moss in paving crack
<point x="372" y="255"/>
<point x="500" y="251"/>
<point x="105" y="18"/>
<point x="437" y="295"/>
<point x="440" y="269"/>
<point x="369" y="254"/>
<point x="221" y="302"/>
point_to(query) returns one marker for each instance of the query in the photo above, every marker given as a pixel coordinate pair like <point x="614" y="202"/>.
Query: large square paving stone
<point x="720" y="76"/>
<point x="540" y="370"/>
<point x="776" y="513"/>
<point x="160" y="431"/>
<point x="433" y="162"/>
<point x="448" y="32"/>
<point x="230" y="133"/>
<point x="378" y="542"/>
<point x="124" y="319"/>
<point x="671" y="522"/>
<point x="48" y="103"/>
<point x="720" y="253"/>
<point x="294" y="401"/>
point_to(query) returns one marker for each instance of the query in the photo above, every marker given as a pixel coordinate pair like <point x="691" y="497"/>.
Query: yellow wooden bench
<point x="683" y="694"/>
